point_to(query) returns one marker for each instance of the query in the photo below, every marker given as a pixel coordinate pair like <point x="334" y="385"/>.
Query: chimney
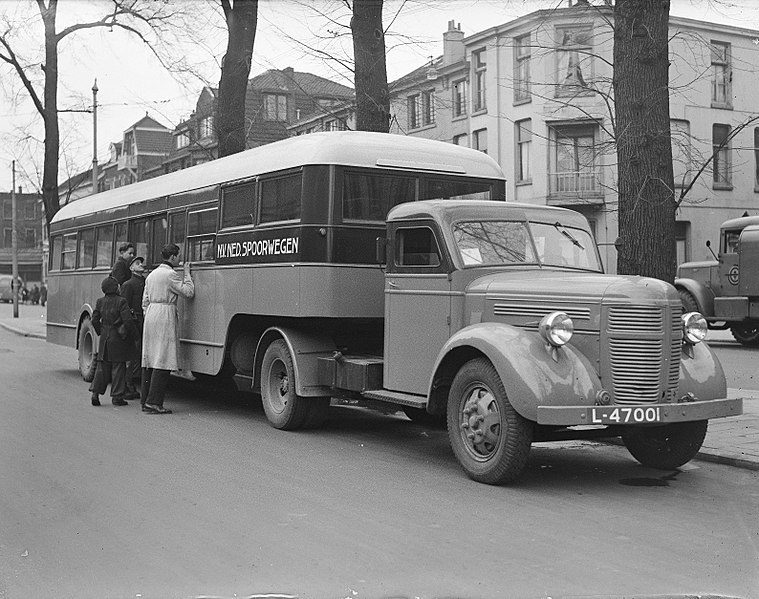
<point x="453" y="44"/>
<point x="289" y="72"/>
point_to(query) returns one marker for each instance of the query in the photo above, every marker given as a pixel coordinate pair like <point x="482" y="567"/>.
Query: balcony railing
<point x="577" y="182"/>
<point x="127" y="161"/>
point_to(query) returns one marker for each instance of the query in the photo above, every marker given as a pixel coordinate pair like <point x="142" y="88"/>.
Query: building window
<point x="480" y="140"/>
<point x="461" y="140"/>
<point x="8" y="209"/>
<point x="573" y="60"/>
<point x="524" y="143"/>
<point x="29" y="209"/>
<point x="205" y="127"/>
<point x="721" y="74"/>
<point x="682" y="158"/>
<point x="721" y="156"/>
<point x="522" y="69"/>
<point x="573" y="160"/>
<point x="335" y="125"/>
<point x="275" y="107"/>
<point x="480" y="71"/>
<point x="459" y="98"/>
<point x="8" y="237"/>
<point x="182" y="140"/>
<point x="421" y="110"/>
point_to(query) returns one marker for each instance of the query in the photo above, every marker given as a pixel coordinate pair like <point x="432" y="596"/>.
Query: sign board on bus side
<point x="255" y="247"/>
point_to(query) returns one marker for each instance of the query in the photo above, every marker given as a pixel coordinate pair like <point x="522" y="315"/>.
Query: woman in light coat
<point x="160" y="342"/>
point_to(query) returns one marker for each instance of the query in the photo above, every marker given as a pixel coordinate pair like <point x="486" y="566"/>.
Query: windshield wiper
<point x="560" y="228"/>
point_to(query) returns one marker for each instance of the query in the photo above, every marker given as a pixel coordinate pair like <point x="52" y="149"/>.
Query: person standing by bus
<point x="132" y="291"/>
<point x="120" y="270"/>
<point x="160" y="343"/>
<point x="115" y="347"/>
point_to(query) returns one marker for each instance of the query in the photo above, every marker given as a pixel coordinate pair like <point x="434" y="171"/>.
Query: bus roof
<point x="350" y="148"/>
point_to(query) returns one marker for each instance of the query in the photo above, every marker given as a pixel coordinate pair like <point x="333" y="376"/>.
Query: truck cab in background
<point x="726" y="290"/>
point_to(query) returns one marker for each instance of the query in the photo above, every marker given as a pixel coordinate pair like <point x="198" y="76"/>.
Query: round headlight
<point x="556" y="328"/>
<point x="694" y="327"/>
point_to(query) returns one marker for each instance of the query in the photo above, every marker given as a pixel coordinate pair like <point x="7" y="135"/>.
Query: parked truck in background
<point x="726" y="290"/>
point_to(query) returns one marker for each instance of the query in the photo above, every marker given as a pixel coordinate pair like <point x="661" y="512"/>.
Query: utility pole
<point x="14" y="245"/>
<point x="95" y="137"/>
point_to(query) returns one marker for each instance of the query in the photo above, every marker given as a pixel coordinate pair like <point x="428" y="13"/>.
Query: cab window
<point x="416" y="247"/>
<point x="731" y="242"/>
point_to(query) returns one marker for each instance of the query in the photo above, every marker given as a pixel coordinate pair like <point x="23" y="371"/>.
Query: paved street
<point x="212" y="501"/>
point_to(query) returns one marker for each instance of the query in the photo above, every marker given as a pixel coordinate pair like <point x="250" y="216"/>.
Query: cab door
<point x="728" y="263"/>
<point x="417" y="306"/>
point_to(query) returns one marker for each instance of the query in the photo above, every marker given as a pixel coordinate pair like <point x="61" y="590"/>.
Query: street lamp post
<point x="14" y="246"/>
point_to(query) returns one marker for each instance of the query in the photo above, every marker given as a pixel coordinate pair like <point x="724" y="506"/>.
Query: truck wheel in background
<point x="489" y="438"/>
<point x="86" y="351"/>
<point x="747" y="334"/>
<point x="665" y="447"/>
<point x="285" y="409"/>
<point x="689" y="302"/>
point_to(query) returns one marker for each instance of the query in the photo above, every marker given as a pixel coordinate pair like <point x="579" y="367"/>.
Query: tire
<point x="285" y="409"/>
<point x="689" y="302"/>
<point x="424" y="418"/>
<point x="86" y="354"/>
<point x="489" y="438"/>
<point x="746" y="334"/>
<point x="666" y="447"/>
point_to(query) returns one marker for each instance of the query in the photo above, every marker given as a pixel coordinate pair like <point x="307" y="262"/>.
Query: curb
<point x="21" y="332"/>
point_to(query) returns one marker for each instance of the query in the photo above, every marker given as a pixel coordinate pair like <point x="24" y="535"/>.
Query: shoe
<point x="155" y="409"/>
<point x="95" y="399"/>
<point x="119" y="401"/>
<point x="148" y="410"/>
<point x="132" y="395"/>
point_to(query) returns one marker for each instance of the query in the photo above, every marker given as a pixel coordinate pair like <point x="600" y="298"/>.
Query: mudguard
<point x="305" y="348"/>
<point x="701" y="373"/>
<point x="533" y="373"/>
<point x="701" y="293"/>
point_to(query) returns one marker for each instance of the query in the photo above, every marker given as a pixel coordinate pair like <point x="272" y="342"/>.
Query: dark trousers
<point x="113" y="373"/>
<point x="134" y="367"/>
<point x="154" y="383"/>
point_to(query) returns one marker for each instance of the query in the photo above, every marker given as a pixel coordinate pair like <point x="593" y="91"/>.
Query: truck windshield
<point x="492" y="243"/>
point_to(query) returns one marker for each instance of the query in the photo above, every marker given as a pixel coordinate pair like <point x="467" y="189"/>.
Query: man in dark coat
<point x="110" y="312"/>
<point x="132" y="290"/>
<point x="120" y="270"/>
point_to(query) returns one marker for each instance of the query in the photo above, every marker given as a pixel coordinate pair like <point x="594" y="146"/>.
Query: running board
<point x="404" y="399"/>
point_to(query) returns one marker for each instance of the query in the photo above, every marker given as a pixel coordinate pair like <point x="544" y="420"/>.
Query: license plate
<point x="625" y="415"/>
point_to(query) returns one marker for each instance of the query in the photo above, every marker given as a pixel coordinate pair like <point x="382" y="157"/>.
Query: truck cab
<point x="726" y="290"/>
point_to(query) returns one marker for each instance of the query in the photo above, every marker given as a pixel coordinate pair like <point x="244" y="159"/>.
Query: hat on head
<point x="133" y="260"/>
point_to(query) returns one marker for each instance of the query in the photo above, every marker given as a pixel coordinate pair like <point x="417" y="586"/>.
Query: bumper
<point x="643" y="414"/>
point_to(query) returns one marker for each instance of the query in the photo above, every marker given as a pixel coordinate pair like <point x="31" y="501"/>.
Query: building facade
<point x="534" y="94"/>
<point x="29" y="241"/>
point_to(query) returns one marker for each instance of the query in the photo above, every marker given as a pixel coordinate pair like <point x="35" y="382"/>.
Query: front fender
<point x="701" y="293"/>
<point x="701" y="373"/>
<point x="533" y="373"/>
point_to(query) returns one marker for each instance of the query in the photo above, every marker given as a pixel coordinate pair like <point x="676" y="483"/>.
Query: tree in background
<point x="372" y="96"/>
<point x="242" y="18"/>
<point x="646" y="244"/>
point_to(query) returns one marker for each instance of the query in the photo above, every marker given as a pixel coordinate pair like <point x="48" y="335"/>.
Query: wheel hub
<point x="481" y="423"/>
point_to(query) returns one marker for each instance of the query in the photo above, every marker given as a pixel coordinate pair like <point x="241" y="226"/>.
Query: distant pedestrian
<point x="132" y="291"/>
<point x="24" y="295"/>
<point x="43" y="294"/>
<point x="160" y="342"/>
<point x="116" y="343"/>
<point x="34" y="295"/>
<point x="120" y="270"/>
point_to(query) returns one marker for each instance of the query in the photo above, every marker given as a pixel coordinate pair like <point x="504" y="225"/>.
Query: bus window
<point x="69" y="252"/>
<point x="55" y="254"/>
<point x="86" y="248"/>
<point x="449" y="189"/>
<point x="177" y="233"/>
<point x="280" y="198"/>
<point x="121" y="236"/>
<point x="369" y="196"/>
<point x="139" y="235"/>
<point x="103" y="245"/>
<point x="238" y="203"/>
<point x="159" y="226"/>
<point x="201" y="235"/>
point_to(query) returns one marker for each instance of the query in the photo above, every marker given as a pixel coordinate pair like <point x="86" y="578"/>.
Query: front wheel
<point x="489" y="438"/>
<point x="746" y="334"/>
<point x="285" y="409"/>
<point x="689" y="302"/>
<point x="666" y="447"/>
<point x="86" y="352"/>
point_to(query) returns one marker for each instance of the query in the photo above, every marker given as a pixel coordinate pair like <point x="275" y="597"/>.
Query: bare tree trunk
<point x="50" y="114"/>
<point x="646" y="244"/>
<point x="242" y="19"/>
<point x="372" y="97"/>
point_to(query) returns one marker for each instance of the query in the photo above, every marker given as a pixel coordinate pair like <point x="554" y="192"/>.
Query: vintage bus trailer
<point x="377" y="269"/>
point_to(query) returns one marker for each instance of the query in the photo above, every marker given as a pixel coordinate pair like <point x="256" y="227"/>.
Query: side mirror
<point x="709" y="245"/>
<point x="380" y="250"/>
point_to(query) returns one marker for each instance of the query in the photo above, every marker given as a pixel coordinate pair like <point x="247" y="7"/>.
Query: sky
<point x="131" y="82"/>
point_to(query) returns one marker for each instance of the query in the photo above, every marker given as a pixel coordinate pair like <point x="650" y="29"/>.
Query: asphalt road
<point x="211" y="501"/>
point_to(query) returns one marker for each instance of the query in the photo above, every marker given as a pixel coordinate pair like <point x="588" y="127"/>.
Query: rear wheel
<point x="689" y="302"/>
<point x="747" y="334"/>
<point x="285" y="409"/>
<point x="489" y="438"/>
<point x="666" y="447"/>
<point x="86" y="353"/>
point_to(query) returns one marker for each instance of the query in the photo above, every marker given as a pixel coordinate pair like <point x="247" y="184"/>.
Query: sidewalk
<point x="733" y="441"/>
